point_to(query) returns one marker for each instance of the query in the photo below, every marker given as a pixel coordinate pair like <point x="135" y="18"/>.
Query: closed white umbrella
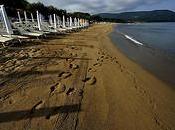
<point x="50" y="20"/>
<point x="75" y="22"/>
<point x="64" y="23"/>
<point x="70" y="23"/>
<point x="25" y="16"/>
<point x="58" y="20"/>
<point x="55" y="22"/>
<point x="78" y="22"/>
<point x="32" y="17"/>
<point x="40" y="17"/>
<point x="38" y="21"/>
<point x="6" y="20"/>
<point x="19" y="17"/>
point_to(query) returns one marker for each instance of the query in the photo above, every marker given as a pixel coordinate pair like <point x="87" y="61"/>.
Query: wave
<point x="133" y="40"/>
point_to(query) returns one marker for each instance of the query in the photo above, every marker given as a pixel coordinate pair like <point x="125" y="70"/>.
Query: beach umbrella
<point x="70" y="23"/>
<point x="64" y="24"/>
<point x="87" y="22"/>
<point x="75" y="22"/>
<point x="32" y="17"/>
<point x="78" y="22"/>
<point x="19" y="17"/>
<point x="38" y="21"/>
<point x="58" y="21"/>
<point x="25" y="16"/>
<point x="55" y="21"/>
<point x="40" y="18"/>
<point x="81" y="22"/>
<point x="6" y="20"/>
<point x="50" y="20"/>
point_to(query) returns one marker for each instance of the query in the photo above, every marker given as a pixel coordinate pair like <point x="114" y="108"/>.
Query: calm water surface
<point x="152" y="45"/>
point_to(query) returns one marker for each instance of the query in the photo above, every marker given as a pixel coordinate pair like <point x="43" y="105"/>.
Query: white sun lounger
<point x="32" y="34"/>
<point x="5" y="40"/>
<point x="16" y="36"/>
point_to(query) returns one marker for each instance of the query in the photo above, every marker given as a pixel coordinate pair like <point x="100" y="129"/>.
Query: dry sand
<point x="80" y="81"/>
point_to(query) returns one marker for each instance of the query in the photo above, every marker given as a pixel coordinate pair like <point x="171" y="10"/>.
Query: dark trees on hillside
<point x="13" y="5"/>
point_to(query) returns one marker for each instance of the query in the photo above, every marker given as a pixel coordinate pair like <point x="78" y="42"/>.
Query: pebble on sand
<point x="64" y="75"/>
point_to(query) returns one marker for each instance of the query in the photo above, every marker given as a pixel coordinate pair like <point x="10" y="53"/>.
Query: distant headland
<point x="139" y="16"/>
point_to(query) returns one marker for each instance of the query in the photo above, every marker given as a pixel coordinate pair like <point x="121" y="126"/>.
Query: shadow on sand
<point x="42" y="112"/>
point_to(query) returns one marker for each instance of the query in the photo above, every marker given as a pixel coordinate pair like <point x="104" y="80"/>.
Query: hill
<point x="142" y="16"/>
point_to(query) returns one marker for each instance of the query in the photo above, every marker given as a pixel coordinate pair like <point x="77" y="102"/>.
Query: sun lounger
<point x="16" y="36"/>
<point x="6" y="40"/>
<point x="25" y="30"/>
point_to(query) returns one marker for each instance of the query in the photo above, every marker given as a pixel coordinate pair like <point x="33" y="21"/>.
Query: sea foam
<point x="133" y="40"/>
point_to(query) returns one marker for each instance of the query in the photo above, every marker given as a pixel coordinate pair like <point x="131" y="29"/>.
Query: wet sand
<point x="80" y="81"/>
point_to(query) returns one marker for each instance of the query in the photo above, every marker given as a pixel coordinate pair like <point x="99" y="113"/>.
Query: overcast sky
<point x="110" y="6"/>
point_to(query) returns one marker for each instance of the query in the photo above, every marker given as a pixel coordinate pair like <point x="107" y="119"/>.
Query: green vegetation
<point x="142" y="16"/>
<point x="13" y="5"/>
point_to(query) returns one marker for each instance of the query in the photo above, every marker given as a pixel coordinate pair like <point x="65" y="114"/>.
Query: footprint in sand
<point x="106" y="57"/>
<point x="80" y="92"/>
<point x="70" y="91"/>
<point x="73" y="66"/>
<point x="11" y="101"/>
<point x="97" y="64"/>
<point x="91" y="70"/>
<point x="36" y="106"/>
<point x="91" y="80"/>
<point x="64" y="75"/>
<point x="58" y="88"/>
<point x="75" y="91"/>
<point x="61" y="88"/>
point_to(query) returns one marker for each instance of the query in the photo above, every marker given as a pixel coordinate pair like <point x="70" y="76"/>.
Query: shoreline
<point x="82" y="81"/>
<point x="140" y="107"/>
<point x="153" y="60"/>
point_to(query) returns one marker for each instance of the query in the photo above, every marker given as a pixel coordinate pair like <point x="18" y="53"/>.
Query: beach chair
<point x="26" y="30"/>
<point x="7" y="40"/>
<point x="28" y="27"/>
<point x="54" y="25"/>
<point x="6" y="31"/>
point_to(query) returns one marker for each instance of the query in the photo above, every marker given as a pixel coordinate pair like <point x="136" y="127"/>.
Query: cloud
<point x="98" y="6"/>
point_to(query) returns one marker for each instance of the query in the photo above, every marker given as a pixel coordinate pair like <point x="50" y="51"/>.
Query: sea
<point x="151" y="45"/>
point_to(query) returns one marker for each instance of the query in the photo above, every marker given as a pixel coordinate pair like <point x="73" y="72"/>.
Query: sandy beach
<point x="80" y="81"/>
